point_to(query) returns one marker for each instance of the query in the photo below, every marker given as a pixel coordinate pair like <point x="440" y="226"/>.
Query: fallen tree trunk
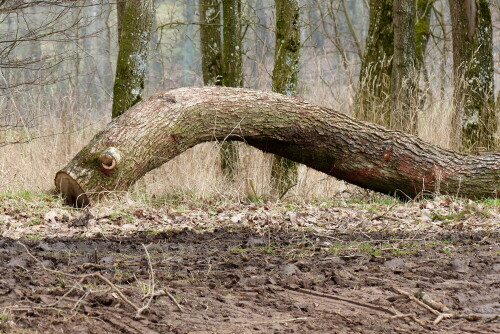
<point x="165" y="125"/>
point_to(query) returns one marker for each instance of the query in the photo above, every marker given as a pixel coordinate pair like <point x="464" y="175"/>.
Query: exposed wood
<point x="165" y="125"/>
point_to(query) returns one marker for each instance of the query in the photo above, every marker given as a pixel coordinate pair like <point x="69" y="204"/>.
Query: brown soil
<point x="235" y="280"/>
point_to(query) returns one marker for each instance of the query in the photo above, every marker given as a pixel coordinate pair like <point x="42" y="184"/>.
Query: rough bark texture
<point x="135" y="25"/>
<point x="232" y="44"/>
<point x="232" y="68"/>
<point x="284" y="173"/>
<point x="165" y="125"/>
<point x="475" y="122"/>
<point x="376" y="69"/>
<point x="211" y="43"/>
<point x="404" y="78"/>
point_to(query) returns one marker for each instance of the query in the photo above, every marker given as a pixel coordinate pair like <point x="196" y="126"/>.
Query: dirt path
<point x="241" y="279"/>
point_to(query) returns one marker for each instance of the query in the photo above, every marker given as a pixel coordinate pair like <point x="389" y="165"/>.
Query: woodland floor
<point x="339" y="267"/>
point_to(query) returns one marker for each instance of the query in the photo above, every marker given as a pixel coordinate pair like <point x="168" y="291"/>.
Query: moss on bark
<point x="284" y="173"/>
<point x="475" y="121"/>
<point x="135" y="26"/>
<point x="211" y="43"/>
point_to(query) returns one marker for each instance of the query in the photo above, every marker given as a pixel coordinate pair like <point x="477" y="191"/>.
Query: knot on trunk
<point x="110" y="159"/>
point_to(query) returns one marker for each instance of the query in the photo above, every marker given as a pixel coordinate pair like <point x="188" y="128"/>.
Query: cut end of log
<point x="71" y="190"/>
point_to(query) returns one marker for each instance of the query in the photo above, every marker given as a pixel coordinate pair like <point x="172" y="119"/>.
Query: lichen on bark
<point x="211" y="42"/>
<point x="475" y="121"/>
<point x="135" y="32"/>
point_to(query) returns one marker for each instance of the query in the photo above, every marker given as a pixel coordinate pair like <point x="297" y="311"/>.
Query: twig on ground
<point x="399" y="315"/>
<point x="113" y="287"/>
<point x="393" y="312"/>
<point x="431" y="302"/>
<point x="437" y="308"/>
<point x="347" y="300"/>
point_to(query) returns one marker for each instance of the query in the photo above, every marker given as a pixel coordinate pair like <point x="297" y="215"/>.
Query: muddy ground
<point x="250" y="268"/>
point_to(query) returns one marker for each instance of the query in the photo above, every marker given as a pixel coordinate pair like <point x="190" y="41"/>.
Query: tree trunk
<point x="474" y="122"/>
<point x="188" y="45"/>
<point x="211" y="43"/>
<point x="422" y="31"/>
<point x="135" y="23"/>
<point x="284" y="173"/>
<point x="404" y="78"/>
<point x="120" y="13"/>
<point x="232" y="67"/>
<point x="232" y="44"/>
<point x="168" y="123"/>
<point x="374" y="88"/>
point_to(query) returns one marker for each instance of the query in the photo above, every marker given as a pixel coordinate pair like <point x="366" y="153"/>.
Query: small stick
<point x="430" y="302"/>
<point x="355" y="302"/>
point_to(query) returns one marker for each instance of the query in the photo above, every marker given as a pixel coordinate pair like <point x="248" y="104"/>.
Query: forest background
<point x="58" y="64"/>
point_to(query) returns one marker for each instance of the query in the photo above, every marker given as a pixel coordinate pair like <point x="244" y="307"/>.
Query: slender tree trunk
<point x="135" y="25"/>
<point x="284" y="172"/>
<point x="422" y="34"/>
<point x="474" y="122"/>
<point x="404" y="78"/>
<point x="188" y="45"/>
<point x="232" y="67"/>
<point x="108" y="46"/>
<point x="156" y="70"/>
<point x="168" y="123"/>
<point x="211" y="43"/>
<point x="372" y="96"/>
<point x="232" y="44"/>
<point x="120" y="13"/>
<point x="422" y="31"/>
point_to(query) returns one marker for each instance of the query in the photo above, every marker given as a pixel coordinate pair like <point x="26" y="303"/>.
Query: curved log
<point x="165" y="125"/>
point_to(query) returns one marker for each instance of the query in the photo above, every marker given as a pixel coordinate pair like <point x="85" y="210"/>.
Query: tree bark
<point x="232" y="68"/>
<point x="422" y="31"/>
<point x="211" y="43"/>
<point x="475" y="121"/>
<point x="232" y="44"/>
<point x="374" y="88"/>
<point x="134" y="25"/>
<point x="168" y="123"/>
<point x="284" y="173"/>
<point x="404" y="78"/>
